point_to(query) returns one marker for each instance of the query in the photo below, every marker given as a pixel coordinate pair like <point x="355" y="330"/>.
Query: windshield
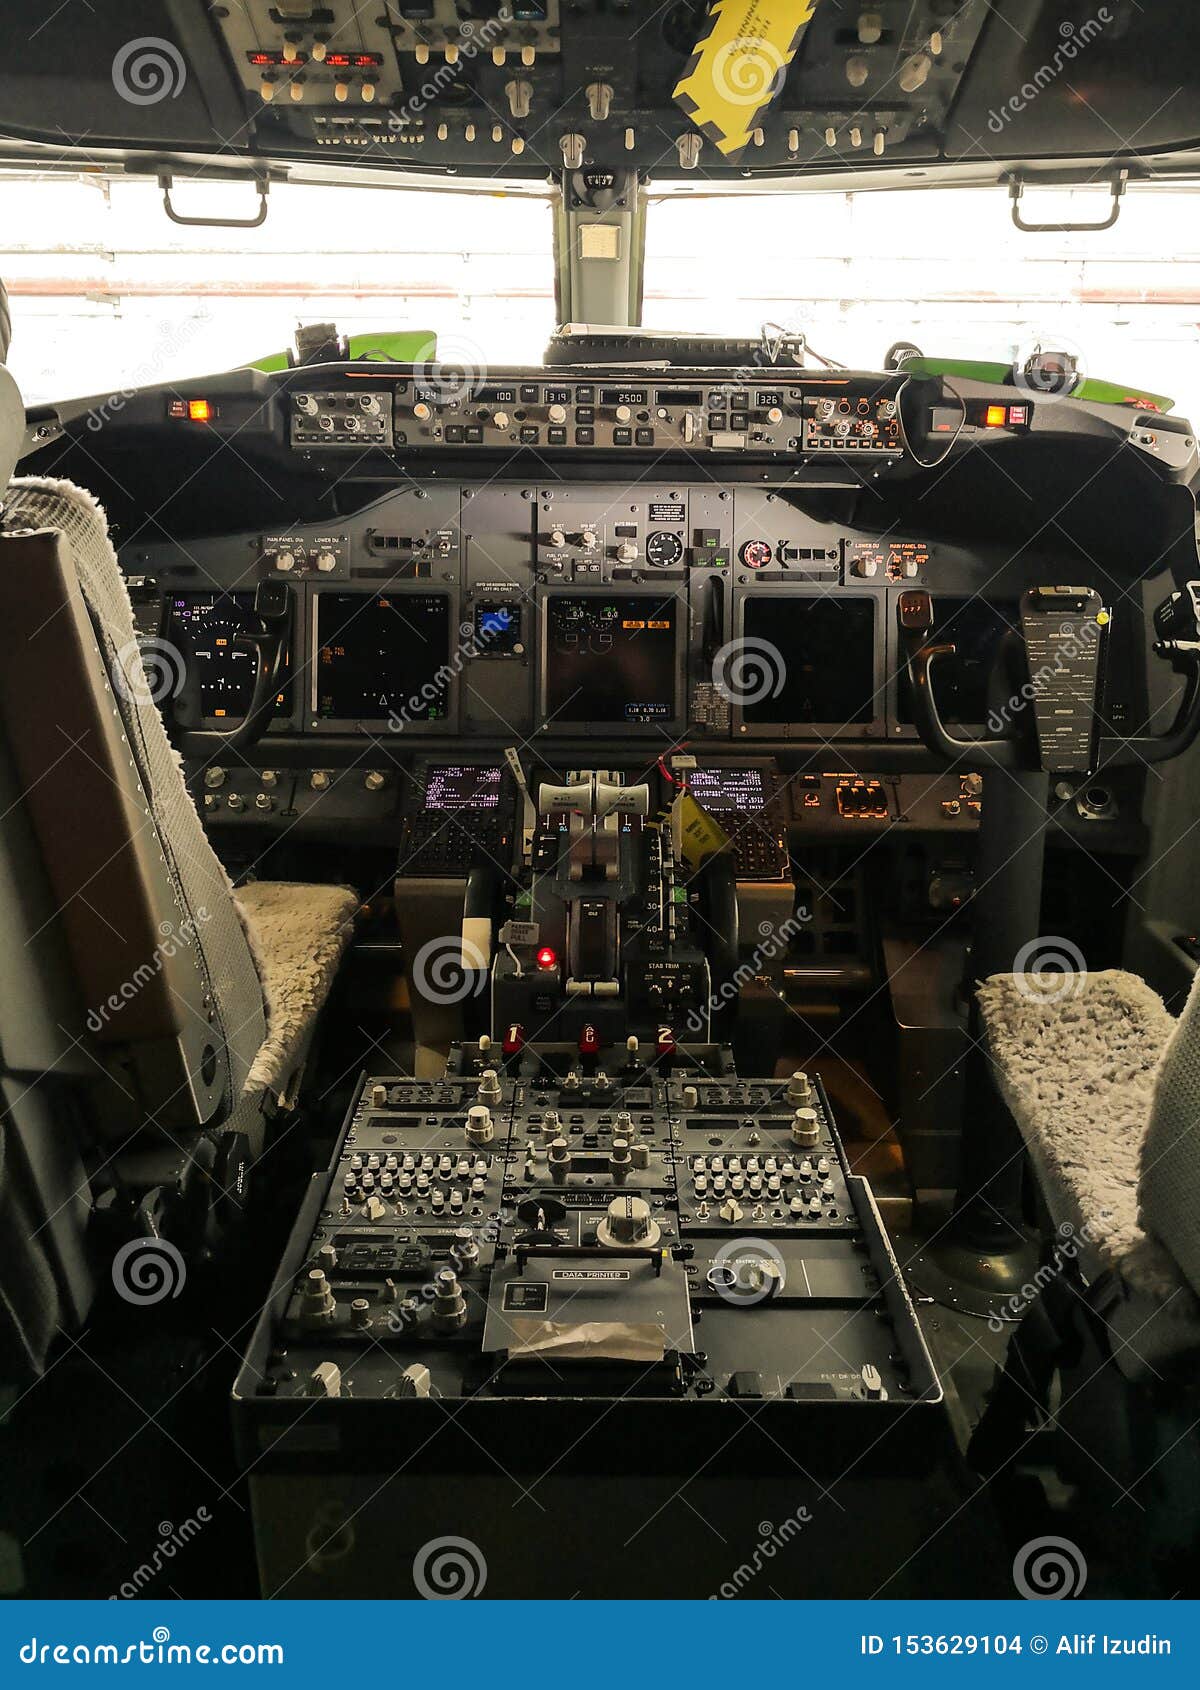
<point x="107" y="293"/>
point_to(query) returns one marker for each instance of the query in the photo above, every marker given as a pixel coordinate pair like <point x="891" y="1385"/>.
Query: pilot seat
<point x="154" y="1018"/>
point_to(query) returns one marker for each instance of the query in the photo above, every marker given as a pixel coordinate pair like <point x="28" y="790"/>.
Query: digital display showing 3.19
<point x="381" y="655"/>
<point x="611" y="659"/>
<point x="814" y="660"/>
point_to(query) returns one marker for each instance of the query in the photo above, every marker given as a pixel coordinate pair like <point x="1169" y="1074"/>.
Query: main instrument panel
<point x="651" y="610"/>
<point x="640" y="557"/>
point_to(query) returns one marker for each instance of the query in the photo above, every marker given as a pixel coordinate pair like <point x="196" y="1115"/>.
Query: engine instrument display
<point x="381" y="655"/>
<point x="611" y="659"/>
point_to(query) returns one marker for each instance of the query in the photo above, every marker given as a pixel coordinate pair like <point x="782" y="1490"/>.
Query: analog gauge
<point x="756" y="554"/>
<point x="663" y="549"/>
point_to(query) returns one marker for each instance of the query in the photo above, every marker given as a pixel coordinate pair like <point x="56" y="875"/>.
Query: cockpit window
<point x="942" y="268"/>
<point x="108" y="295"/>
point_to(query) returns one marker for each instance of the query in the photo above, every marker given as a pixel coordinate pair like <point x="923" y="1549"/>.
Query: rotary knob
<point x="628" y="1224"/>
<point x="374" y="780"/>
<point x="806" y="1129"/>
<point x="326" y="562"/>
<point x="627" y="551"/>
<point x="557" y="413"/>
<point x="559" y="1159"/>
<point x="799" y="1090"/>
<point x="623" y="413"/>
<point x="214" y="778"/>
<point x="422" y="411"/>
<point x="285" y="561"/>
<point x="479" y="1124"/>
<point x="501" y="419"/>
<point x="306" y="404"/>
<point x="319" y="780"/>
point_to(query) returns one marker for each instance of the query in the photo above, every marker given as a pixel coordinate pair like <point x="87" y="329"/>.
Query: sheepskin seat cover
<point x="297" y="933"/>
<point x="1077" y="1067"/>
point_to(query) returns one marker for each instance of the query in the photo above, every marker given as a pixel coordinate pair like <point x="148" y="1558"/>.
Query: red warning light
<point x="546" y="958"/>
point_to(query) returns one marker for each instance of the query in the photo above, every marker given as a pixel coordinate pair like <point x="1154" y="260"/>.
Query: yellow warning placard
<point x="695" y="834"/>
<point x="739" y="67"/>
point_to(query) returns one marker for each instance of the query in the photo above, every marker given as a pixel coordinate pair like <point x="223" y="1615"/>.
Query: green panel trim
<point x="398" y="346"/>
<point x="1000" y="375"/>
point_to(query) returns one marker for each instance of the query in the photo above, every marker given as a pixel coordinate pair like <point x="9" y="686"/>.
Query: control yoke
<point x="1056" y="685"/>
<point x="272" y="606"/>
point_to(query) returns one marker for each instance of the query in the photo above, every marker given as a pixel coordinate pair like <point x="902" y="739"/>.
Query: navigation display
<point x="210" y="624"/>
<point x="611" y="659"/>
<point x="823" y="663"/>
<point x="382" y="655"/>
<point x="463" y="786"/>
<point x="975" y="627"/>
<point x="737" y="790"/>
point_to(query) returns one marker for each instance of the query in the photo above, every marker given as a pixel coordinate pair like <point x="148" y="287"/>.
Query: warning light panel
<point x="966" y="416"/>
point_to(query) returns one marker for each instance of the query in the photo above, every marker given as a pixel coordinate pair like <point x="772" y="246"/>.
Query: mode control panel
<point x="725" y="412"/>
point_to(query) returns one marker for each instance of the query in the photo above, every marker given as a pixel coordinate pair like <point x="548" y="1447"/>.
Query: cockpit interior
<point x="598" y="927"/>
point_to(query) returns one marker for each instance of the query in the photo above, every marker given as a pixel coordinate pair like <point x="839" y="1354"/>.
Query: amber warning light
<point x="191" y="410"/>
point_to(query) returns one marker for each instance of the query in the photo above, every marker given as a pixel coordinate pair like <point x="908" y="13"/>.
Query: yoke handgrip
<point x="915" y="615"/>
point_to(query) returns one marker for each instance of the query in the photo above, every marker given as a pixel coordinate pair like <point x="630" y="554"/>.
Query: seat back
<point x="1169" y="1183"/>
<point x="166" y="989"/>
